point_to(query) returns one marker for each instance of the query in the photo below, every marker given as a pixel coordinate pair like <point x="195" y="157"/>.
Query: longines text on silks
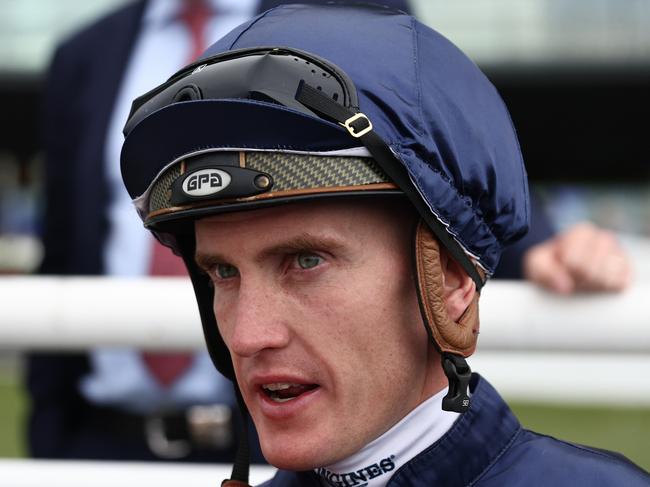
<point x="358" y="478"/>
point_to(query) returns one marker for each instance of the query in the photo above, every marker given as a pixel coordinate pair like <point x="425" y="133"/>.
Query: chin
<point x="286" y="458"/>
<point x="295" y="454"/>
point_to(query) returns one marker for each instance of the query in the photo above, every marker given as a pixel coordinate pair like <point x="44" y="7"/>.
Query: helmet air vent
<point x="188" y="93"/>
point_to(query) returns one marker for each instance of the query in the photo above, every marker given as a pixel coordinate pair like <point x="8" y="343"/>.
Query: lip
<point x="284" y="410"/>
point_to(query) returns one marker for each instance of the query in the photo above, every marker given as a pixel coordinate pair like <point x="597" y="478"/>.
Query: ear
<point x="458" y="287"/>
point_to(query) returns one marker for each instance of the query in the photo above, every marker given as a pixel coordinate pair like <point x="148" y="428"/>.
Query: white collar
<point x="375" y="463"/>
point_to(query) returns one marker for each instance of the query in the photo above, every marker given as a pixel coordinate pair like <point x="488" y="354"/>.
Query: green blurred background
<point x="13" y="410"/>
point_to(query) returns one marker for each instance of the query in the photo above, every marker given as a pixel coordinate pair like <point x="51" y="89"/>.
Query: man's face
<point x="317" y="306"/>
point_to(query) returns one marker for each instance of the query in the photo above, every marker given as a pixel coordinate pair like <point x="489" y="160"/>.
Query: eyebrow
<point x="299" y="243"/>
<point x="207" y="260"/>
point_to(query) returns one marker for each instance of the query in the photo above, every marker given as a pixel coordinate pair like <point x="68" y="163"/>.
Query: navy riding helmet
<point x="364" y="102"/>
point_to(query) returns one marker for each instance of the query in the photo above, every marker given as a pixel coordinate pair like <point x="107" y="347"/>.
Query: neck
<point x="374" y="464"/>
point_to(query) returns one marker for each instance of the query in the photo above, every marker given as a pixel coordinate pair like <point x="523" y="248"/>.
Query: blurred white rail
<point x="50" y="473"/>
<point x="519" y="316"/>
<point x="616" y="380"/>
<point x="534" y="346"/>
<point x="77" y="313"/>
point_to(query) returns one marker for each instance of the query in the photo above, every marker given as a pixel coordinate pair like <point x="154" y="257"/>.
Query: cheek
<point x="396" y="339"/>
<point x="223" y="309"/>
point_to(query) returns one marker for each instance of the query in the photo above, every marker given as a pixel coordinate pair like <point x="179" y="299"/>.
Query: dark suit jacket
<point x="81" y="88"/>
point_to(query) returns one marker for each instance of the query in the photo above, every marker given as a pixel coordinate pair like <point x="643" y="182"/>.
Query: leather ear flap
<point x="454" y="337"/>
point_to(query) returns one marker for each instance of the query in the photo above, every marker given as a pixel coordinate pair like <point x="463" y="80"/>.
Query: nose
<point x="259" y="320"/>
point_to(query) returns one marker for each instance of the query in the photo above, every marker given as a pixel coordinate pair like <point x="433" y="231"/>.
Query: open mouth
<point x="286" y="391"/>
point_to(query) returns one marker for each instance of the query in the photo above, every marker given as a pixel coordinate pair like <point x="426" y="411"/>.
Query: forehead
<point x="260" y="215"/>
<point x="340" y="218"/>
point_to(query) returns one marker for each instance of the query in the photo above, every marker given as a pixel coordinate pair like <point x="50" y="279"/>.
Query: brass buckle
<point x="348" y="125"/>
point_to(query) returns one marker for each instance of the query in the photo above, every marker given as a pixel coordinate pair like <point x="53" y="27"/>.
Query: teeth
<point x="285" y="391"/>
<point x="279" y="399"/>
<point x="279" y="386"/>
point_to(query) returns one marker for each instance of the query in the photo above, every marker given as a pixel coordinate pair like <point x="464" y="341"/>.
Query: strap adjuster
<point x="459" y="374"/>
<point x="353" y="131"/>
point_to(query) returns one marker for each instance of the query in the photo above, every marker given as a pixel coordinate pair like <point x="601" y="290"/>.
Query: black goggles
<point x="287" y="77"/>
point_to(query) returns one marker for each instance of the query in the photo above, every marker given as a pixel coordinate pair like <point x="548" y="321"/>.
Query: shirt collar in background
<point x="161" y="12"/>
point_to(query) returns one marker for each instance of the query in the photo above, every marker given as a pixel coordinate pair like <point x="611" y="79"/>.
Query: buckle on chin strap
<point x="458" y="373"/>
<point x="354" y="131"/>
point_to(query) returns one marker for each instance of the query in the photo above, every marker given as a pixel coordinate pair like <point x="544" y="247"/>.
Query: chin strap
<point x="241" y="467"/>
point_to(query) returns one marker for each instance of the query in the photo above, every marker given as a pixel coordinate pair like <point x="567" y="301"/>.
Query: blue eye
<point x="226" y="271"/>
<point x="308" y="261"/>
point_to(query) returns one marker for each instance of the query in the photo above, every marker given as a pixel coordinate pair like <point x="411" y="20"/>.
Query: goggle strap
<point x="315" y="100"/>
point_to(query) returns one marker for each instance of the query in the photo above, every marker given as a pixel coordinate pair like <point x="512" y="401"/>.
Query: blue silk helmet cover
<point x="441" y="117"/>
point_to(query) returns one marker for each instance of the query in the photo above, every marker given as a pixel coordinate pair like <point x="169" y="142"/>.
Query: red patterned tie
<point x="195" y="15"/>
<point x="168" y="366"/>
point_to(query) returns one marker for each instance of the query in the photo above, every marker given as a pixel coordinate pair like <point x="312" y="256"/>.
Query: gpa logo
<point x="205" y="182"/>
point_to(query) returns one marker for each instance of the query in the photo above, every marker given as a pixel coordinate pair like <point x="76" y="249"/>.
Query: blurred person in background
<point x="583" y="258"/>
<point x="128" y="404"/>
